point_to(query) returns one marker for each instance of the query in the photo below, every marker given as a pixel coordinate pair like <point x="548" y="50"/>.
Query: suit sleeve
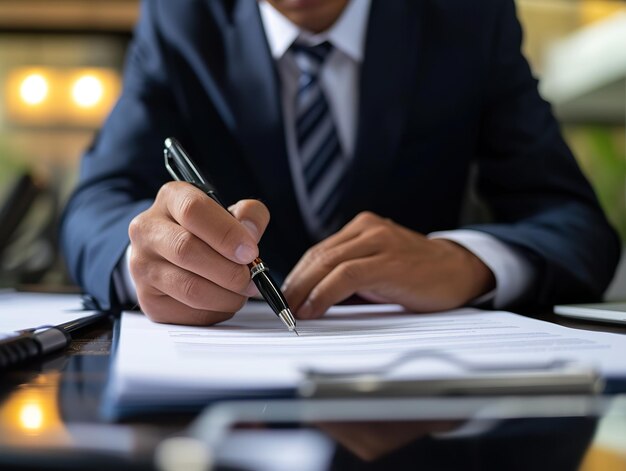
<point x="541" y="202"/>
<point x="123" y="170"/>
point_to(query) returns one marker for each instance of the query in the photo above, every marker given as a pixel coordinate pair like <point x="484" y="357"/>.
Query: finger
<point x="205" y="218"/>
<point x="253" y="214"/>
<point x="318" y="262"/>
<point x="305" y="261"/>
<point x="183" y="249"/>
<point x="161" y="308"/>
<point x="359" y="224"/>
<point x="342" y="282"/>
<point x="187" y="288"/>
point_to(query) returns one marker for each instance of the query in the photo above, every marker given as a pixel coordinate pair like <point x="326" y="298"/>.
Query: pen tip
<point x="296" y="332"/>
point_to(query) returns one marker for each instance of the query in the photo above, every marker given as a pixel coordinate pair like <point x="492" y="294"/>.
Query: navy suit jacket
<point x="444" y="91"/>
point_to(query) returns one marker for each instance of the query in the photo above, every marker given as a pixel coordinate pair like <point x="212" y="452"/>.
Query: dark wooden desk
<point x="50" y="419"/>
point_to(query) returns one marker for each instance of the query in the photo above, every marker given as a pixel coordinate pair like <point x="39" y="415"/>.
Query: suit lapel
<point x="254" y="91"/>
<point x="388" y="80"/>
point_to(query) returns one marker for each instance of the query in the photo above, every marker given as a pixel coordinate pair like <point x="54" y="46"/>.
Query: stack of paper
<point x="28" y="310"/>
<point x="253" y="354"/>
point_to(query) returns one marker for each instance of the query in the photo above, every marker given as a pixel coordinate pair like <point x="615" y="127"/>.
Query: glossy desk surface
<point x="50" y="419"/>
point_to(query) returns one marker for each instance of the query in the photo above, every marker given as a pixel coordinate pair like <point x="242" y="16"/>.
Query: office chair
<point x="27" y="231"/>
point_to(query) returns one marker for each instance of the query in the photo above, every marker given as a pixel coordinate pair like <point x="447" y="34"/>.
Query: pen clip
<point x="179" y="165"/>
<point x="182" y="169"/>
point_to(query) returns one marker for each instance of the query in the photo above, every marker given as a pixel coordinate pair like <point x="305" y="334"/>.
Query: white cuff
<point x="512" y="271"/>
<point x="123" y="282"/>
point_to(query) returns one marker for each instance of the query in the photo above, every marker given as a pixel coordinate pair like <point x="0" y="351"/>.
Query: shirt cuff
<point x="123" y="282"/>
<point x="513" y="272"/>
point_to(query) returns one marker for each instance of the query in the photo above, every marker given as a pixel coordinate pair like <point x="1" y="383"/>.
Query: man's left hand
<point x="384" y="262"/>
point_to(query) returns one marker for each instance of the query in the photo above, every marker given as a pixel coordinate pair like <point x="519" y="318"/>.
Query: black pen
<point x="181" y="168"/>
<point x="33" y="343"/>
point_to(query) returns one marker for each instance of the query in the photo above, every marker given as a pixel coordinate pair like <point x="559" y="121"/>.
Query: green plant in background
<point x="10" y="160"/>
<point x="10" y="165"/>
<point x="601" y="152"/>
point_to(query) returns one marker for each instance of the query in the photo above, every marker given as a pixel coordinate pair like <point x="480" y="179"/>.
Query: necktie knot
<point x="311" y="58"/>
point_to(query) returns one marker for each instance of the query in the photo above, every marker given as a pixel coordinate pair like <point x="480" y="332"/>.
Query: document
<point x="253" y="355"/>
<point x="28" y="310"/>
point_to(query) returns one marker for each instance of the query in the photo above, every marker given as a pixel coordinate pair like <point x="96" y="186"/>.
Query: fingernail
<point x="306" y="310"/>
<point x="252" y="229"/>
<point x="287" y="282"/>
<point x="245" y="253"/>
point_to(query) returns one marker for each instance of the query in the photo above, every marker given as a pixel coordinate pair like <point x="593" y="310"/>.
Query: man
<point x="357" y="124"/>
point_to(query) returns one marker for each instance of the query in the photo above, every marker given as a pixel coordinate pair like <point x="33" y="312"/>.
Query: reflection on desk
<point x="49" y="413"/>
<point x="439" y="433"/>
<point x="30" y="416"/>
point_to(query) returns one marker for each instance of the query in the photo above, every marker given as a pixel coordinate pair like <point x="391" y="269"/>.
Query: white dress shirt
<point x="339" y="79"/>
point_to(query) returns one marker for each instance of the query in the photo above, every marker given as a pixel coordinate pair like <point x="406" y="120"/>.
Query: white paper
<point x="28" y="310"/>
<point x="253" y="352"/>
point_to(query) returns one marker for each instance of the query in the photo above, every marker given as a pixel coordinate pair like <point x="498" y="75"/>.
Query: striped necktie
<point x="323" y="164"/>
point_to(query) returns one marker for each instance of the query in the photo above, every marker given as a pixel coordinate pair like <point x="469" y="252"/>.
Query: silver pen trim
<point x="257" y="268"/>
<point x="287" y="317"/>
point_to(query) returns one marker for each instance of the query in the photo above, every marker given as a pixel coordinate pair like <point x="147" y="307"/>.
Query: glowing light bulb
<point x="31" y="417"/>
<point x="87" y="91"/>
<point x="34" y="89"/>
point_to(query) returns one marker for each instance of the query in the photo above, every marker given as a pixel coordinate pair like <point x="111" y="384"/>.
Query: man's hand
<point x="373" y="440"/>
<point x="189" y="256"/>
<point x="384" y="262"/>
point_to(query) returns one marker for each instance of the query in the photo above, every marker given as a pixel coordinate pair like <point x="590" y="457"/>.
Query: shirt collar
<point x="346" y="34"/>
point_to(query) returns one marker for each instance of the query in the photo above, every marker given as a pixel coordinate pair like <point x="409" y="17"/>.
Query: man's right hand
<point x="189" y="256"/>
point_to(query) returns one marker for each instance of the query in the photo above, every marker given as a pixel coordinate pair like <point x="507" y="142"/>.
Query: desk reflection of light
<point x="30" y="416"/>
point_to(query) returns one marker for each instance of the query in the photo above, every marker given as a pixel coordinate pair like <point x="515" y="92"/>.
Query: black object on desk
<point x="33" y="343"/>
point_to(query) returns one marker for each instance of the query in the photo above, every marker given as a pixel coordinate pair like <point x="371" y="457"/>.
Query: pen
<point x="27" y="344"/>
<point x="181" y="168"/>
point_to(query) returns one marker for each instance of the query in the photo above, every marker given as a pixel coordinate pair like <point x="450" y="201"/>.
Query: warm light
<point x="87" y="91"/>
<point x="31" y="417"/>
<point x="34" y="89"/>
<point x="41" y="96"/>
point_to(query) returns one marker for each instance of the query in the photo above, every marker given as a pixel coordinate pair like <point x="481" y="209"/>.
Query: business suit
<point x="443" y="87"/>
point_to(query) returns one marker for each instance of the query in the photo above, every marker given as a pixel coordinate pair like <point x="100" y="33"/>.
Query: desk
<point x="49" y="419"/>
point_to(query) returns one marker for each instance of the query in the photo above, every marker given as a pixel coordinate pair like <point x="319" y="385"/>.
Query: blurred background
<point x="60" y="73"/>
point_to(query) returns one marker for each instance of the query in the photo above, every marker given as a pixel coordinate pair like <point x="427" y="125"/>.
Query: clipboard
<point x="583" y="381"/>
<point x="480" y="379"/>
